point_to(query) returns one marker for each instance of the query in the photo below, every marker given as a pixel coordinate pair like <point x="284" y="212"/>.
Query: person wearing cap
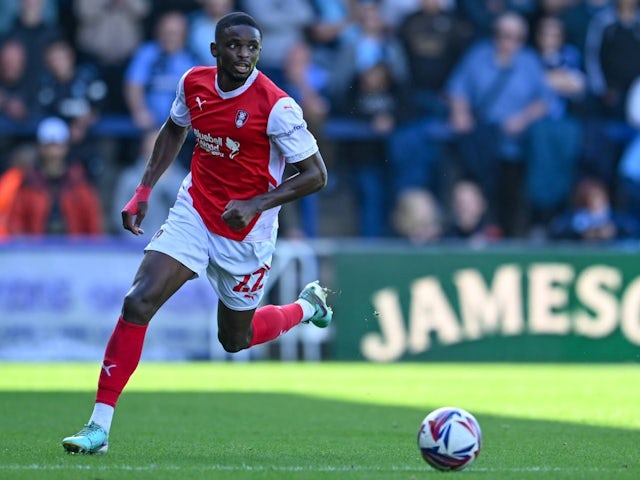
<point x="55" y="196"/>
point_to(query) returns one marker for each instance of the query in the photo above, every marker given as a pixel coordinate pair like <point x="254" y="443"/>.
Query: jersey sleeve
<point x="288" y="131"/>
<point x="179" y="111"/>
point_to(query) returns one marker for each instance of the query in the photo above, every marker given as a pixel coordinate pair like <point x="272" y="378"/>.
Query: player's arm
<point x="310" y="177"/>
<point x="166" y="148"/>
<point x="167" y="145"/>
<point x="170" y="139"/>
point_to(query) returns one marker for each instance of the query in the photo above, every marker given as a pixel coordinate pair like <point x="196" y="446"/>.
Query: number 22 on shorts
<point x="252" y="282"/>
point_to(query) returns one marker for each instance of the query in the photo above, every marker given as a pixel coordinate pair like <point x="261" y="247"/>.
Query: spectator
<point x="562" y="62"/>
<point x="555" y="141"/>
<point x="374" y="99"/>
<point x="21" y="161"/>
<point x="576" y="18"/>
<point x="10" y="11"/>
<point x="612" y="64"/>
<point x="334" y="22"/>
<point x="552" y="8"/>
<point x="468" y="218"/>
<point x="74" y="92"/>
<point x="611" y="55"/>
<point x="371" y="44"/>
<point x="434" y="39"/>
<point x="161" y="7"/>
<point x="55" y="197"/>
<point x="16" y="89"/>
<point x="629" y="167"/>
<point x="306" y="82"/>
<point x="394" y="11"/>
<point x="484" y="13"/>
<point x="163" y="195"/>
<point x="592" y="217"/>
<point x="108" y="34"/>
<point x="32" y="30"/>
<point x="202" y="28"/>
<point x="284" y="24"/>
<point x="497" y="92"/>
<point x="154" y="72"/>
<point x="417" y="217"/>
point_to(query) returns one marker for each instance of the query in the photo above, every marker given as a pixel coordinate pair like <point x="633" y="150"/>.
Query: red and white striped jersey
<point x="244" y="139"/>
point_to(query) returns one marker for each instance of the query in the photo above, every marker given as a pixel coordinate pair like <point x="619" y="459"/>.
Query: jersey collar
<point x="238" y="91"/>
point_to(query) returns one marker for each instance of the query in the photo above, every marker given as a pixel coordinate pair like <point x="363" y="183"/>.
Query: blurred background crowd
<point x="480" y="120"/>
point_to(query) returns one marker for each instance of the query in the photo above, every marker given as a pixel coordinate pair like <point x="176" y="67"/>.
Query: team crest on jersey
<point x="241" y="118"/>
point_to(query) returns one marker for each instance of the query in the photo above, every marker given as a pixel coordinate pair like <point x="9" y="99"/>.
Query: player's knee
<point x="233" y="343"/>
<point x="138" y="307"/>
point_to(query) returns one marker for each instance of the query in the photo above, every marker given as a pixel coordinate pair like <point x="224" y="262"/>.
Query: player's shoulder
<point x="200" y="71"/>
<point x="285" y="117"/>
<point x="198" y="78"/>
<point x="268" y="88"/>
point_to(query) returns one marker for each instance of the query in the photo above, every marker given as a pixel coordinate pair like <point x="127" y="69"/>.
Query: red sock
<point x="271" y="321"/>
<point x="121" y="358"/>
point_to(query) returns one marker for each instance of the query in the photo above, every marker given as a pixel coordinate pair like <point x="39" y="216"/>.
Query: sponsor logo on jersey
<point x="293" y="130"/>
<point x="241" y="118"/>
<point x="209" y="143"/>
<point x="233" y="146"/>
<point x="217" y="145"/>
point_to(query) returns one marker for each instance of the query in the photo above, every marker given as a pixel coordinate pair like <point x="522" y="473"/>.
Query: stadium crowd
<point x="441" y="119"/>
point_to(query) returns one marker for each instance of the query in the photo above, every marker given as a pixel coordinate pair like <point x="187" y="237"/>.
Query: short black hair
<point x="233" y="19"/>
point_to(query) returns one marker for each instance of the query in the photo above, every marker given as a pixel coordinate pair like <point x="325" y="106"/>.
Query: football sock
<point x="271" y="321"/>
<point x="121" y="358"/>
<point x="102" y="415"/>
<point x="308" y="310"/>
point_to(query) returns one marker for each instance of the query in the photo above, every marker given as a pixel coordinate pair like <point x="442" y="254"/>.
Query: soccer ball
<point x="449" y="438"/>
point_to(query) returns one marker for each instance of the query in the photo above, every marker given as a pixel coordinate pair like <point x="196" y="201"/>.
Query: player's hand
<point x="134" y="211"/>
<point x="239" y="213"/>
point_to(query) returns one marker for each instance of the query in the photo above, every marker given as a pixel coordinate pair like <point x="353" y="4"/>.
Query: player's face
<point x="237" y="51"/>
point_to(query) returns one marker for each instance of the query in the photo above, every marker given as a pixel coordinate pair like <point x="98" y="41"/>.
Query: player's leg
<point x="238" y="330"/>
<point x="172" y="256"/>
<point x="239" y="272"/>
<point x="158" y="278"/>
<point x="234" y="328"/>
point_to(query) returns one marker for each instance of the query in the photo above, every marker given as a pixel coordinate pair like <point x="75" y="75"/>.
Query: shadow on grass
<point x="277" y="436"/>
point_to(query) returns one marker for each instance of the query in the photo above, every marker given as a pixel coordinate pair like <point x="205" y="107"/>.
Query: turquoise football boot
<point x="92" y="439"/>
<point x="317" y="296"/>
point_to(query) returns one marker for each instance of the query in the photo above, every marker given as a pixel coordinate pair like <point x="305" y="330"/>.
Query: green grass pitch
<point x="326" y="420"/>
